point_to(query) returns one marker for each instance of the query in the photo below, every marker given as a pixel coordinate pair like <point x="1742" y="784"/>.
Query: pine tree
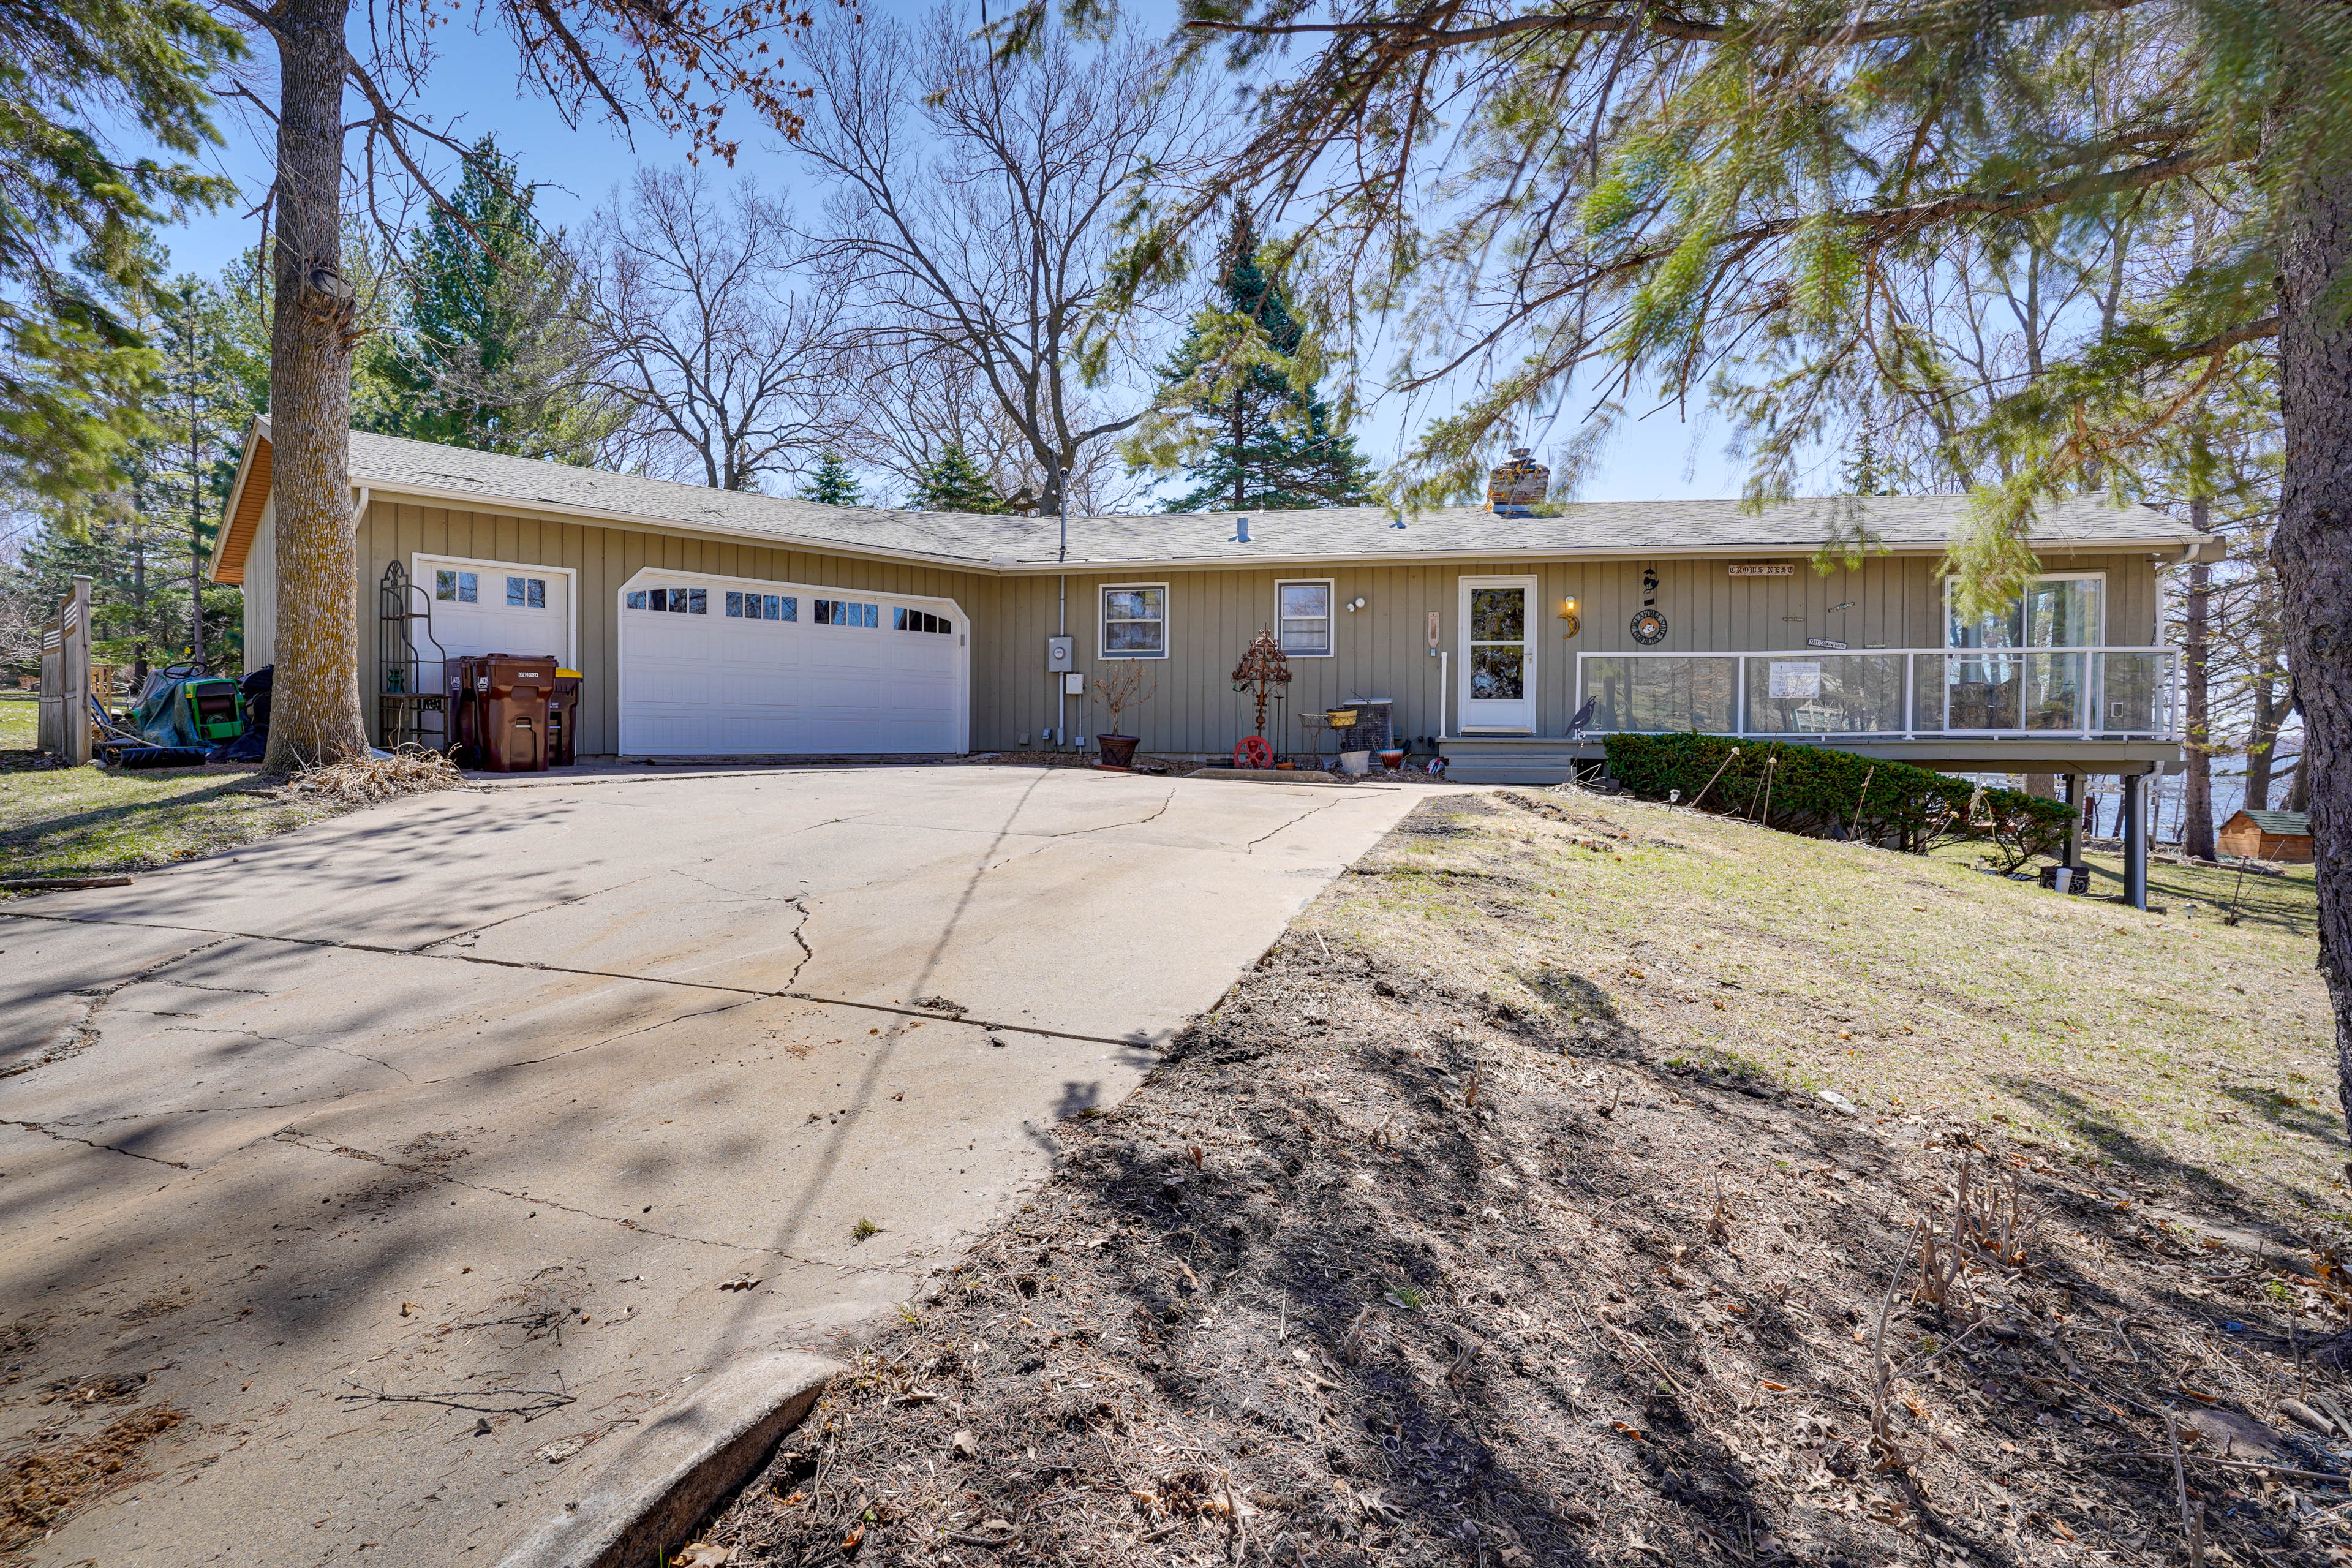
<point x="833" y="484"/>
<point x="488" y="351"/>
<point x="1253" y="431"/>
<point x="953" y="482"/>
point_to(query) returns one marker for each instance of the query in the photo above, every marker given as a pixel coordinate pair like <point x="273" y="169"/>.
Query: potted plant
<point x="1122" y="688"/>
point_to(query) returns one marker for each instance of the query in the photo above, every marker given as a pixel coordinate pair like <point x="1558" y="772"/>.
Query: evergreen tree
<point x="489" y="349"/>
<point x="77" y="196"/>
<point x="833" y="483"/>
<point x="1251" y="430"/>
<point x="953" y="482"/>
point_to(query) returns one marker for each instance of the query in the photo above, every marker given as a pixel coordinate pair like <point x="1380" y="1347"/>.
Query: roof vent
<point x="1513" y="489"/>
<point x="1241" y="532"/>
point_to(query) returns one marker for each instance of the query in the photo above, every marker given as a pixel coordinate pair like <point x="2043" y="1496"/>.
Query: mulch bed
<point x="1376" y="1271"/>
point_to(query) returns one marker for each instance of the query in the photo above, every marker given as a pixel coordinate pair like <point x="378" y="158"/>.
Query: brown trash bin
<point x="563" y="719"/>
<point x="500" y="718"/>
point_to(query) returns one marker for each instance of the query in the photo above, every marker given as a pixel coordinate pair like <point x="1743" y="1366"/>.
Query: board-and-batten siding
<point x="605" y="558"/>
<point x="1380" y="650"/>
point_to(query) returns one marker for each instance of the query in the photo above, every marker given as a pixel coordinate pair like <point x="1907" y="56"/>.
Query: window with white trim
<point x="846" y="612"/>
<point x="526" y="592"/>
<point x="1135" y="621"/>
<point x="1303" y="617"/>
<point x="453" y="587"/>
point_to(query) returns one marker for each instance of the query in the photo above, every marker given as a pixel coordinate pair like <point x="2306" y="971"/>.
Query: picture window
<point x="1135" y="622"/>
<point x="1304" y="610"/>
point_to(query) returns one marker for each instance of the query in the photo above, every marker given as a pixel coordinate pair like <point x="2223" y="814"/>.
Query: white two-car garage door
<point x="723" y="667"/>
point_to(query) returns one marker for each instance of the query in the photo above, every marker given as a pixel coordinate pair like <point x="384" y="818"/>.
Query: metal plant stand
<point x="408" y="686"/>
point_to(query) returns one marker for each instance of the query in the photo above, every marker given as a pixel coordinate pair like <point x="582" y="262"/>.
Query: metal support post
<point x="2074" y="819"/>
<point x="2135" y="829"/>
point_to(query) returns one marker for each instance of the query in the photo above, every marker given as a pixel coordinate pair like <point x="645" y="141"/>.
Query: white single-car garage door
<point x="725" y="667"/>
<point x="495" y="607"/>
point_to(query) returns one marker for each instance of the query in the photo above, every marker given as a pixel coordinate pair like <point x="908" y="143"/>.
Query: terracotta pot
<point x="1118" y="751"/>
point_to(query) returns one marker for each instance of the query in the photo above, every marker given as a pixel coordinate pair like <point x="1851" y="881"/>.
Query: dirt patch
<point x="1452" y="1251"/>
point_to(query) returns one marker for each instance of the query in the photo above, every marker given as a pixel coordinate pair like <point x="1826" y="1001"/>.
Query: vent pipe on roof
<point x="1241" y="532"/>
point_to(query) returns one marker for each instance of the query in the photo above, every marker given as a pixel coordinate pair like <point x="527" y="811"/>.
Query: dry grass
<point x="1471" y="1229"/>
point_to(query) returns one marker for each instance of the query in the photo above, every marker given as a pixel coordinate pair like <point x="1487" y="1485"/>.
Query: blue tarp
<point x="161" y="718"/>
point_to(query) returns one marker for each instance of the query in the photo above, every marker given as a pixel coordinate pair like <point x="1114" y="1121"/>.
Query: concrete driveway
<point x="410" y="1160"/>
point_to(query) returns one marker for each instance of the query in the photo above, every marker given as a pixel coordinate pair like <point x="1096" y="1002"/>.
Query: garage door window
<point x="673" y="601"/>
<point x="763" y="607"/>
<point x="526" y="592"/>
<point x="906" y="620"/>
<point x="843" y="613"/>
<point x="457" y="587"/>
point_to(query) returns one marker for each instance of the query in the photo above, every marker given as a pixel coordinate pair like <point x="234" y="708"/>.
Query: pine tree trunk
<point x="2197" y="833"/>
<point x="314" y="711"/>
<point x="2313" y="549"/>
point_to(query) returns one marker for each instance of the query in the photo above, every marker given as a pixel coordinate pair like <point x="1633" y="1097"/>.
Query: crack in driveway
<point x="83" y="1033"/>
<point x="1251" y="848"/>
<point x="46" y="1131"/>
<point x="294" y="1137"/>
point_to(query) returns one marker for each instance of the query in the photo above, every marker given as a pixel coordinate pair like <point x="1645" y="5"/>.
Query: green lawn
<point x="20" y="722"/>
<point x="71" y="822"/>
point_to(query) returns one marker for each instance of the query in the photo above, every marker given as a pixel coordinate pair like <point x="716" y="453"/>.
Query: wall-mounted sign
<point x="1823" y="642"/>
<point x="1794" y="680"/>
<point x="1763" y="569"/>
<point x="1649" y="627"/>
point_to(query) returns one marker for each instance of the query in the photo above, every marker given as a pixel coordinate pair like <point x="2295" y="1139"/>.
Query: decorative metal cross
<point x="1263" y="670"/>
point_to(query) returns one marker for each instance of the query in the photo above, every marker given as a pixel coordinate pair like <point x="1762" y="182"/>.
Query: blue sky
<point x="472" y="88"/>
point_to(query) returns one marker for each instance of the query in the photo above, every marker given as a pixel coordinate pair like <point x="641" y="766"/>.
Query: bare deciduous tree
<point x="698" y="330"/>
<point x="976" y="205"/>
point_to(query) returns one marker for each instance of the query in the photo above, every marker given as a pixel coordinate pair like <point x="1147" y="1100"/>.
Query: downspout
<point x="1062" y="617"/>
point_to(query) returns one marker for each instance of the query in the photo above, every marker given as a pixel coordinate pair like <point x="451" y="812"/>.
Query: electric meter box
<point x="1061" y="655"/>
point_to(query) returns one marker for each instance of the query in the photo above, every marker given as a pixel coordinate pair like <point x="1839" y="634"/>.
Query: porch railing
<point x="2089" y="693"/>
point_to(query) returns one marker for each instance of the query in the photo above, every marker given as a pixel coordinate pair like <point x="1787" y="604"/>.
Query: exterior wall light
<point x="1569" y="617"/>
<point x="1357" y="604"/>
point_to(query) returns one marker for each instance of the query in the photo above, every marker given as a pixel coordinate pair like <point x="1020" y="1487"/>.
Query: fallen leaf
<point x="703" y="1554"/>
<point x="1632" y="1432"/>
<point x="741" y="1282"/>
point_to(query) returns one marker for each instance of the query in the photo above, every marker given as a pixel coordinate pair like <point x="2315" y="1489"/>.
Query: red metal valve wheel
<point x="1254" y="752"/>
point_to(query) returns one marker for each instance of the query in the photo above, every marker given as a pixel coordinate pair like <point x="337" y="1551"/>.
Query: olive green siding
<point x="1378" y="651"/>
<point x="1382" y="650"/>
<point x="606" y="557"/>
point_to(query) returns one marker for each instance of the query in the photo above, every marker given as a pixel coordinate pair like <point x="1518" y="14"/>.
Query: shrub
<point x="1813" y="787"/>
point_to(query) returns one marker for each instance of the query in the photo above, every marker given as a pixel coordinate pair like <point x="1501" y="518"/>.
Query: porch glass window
<point x="1135" y="623"/>
<point x="1498" y="643"/>
<point x="2004" y="672"/>
<point x="1305" y="609"/>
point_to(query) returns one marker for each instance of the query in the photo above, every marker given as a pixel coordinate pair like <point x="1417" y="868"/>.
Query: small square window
<point x="697" y="601"/>
<point x="457" y="587"/>
<point x="637" y="599"/>
<point x="527" y="592"/>
<point x="792" y="606"/>
<point x="735" y="604"/>
<point x="898" y="618"/>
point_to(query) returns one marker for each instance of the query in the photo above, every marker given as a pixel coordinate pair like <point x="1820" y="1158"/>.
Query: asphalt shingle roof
<point x="1021" y="543"/>
<point x="2292" y="824"/>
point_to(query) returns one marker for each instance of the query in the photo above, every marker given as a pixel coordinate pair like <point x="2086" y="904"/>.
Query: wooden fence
<point x="65" y="677"/>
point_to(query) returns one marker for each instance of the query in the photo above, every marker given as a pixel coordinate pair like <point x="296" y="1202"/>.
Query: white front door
<point x="1498" y="656"/>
